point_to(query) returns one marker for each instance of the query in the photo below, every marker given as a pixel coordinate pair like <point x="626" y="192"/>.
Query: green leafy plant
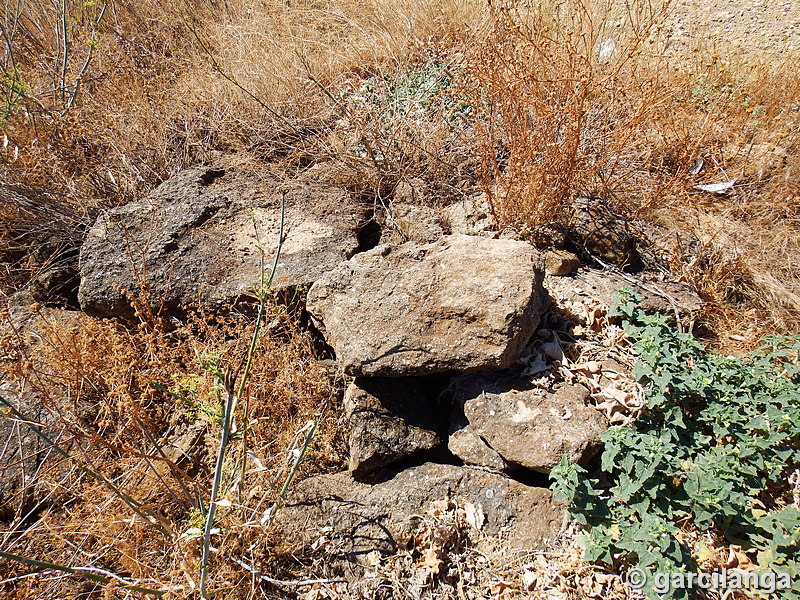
<point x="13" y="90"/>
<point x="417" y="93"/>
<point x="713" y="450"/>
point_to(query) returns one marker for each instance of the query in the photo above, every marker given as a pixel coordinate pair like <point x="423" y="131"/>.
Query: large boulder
<point x="359" y="518"/>
<point x="527" y="426"/>
<point x="197" y="239"/>
<point x="461" y="303"/>
<point x="390" y="420"/>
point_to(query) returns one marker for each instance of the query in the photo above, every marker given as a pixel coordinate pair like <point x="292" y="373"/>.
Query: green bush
<point x="712" y="450"/>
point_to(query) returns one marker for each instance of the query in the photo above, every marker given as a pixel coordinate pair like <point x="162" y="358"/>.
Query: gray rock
<point x="408" y="222"/>
<point x="22" y="453"/>
<point x="462" y="303"/>
<point x="195" y="240"/>
<point x="361" y="518"/>
<point x="473" y="450"/>
<point x="547" y="235"/>
<point x="596" y="230"/>
<point x="389" y="420"/>
<point x="525" y="425"/>
<point x="659" y="296"/>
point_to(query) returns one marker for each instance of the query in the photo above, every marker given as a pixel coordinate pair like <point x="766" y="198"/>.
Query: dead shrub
<point x="565" y="102"/>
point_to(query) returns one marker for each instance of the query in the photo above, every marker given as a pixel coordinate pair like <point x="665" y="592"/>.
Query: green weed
<point x="718" y="432"/>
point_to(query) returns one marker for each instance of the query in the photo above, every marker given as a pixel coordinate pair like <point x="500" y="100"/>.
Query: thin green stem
<point x="231" y="403"/>
<point x="311" y="426"/>
<point x="261" y="294"/>
<point x="215" y="486"/>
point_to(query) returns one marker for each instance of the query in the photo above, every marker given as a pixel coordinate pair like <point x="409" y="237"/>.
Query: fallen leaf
<point x="529" y="577"/>
<point x="499" y="587"/>
<point x="431" y="562"/>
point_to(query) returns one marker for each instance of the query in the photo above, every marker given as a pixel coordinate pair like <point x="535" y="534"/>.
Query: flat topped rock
<point x="524" y="425"/>
<point x="461" y="303"/>
<point x="668" y="297"/>
<point x="361" y="518"/>
<point x="196" y="239"/>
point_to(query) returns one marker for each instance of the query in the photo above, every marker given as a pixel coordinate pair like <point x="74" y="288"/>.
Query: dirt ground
<point x="747" y="30"/>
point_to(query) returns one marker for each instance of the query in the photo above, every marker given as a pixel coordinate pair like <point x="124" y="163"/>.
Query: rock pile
<point x="439" y="407"/>
<point x="438" y="329"/>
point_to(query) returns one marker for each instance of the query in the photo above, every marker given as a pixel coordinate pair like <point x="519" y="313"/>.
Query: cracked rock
<point x="197" y="239"/>
<point x="462" y="303"/>
<point x="358" y="518"/>
<point x="525" y="425"/>
<point x="390" y="420"/>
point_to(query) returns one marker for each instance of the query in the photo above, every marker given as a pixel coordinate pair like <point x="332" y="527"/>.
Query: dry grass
<point x="564" y="108"/>
<point x="513" y="97"/>
<point x="168" y="88"/>
<point x="568" y="117"/>
<point x="96" y="381"/>
<point x="747" y="123"/>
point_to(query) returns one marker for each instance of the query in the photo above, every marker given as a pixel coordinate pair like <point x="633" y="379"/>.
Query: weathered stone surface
<point x="462" y="303"/>
<point x="389" y="420"/>
<point x="408" y="222"/>
<point x="560" y="262"/>
<point x="22" y="452"/>
<point x="527" y="426"/>
<point x="659" y="296"/>
<point x="547" y="235"/>
<point x="471" y="216"/>
<point x="473" y="449"/>
<point x="411" y="190"/>
<point x="362" y="517"/>
<point x="196" y="238"/>
<point x="596" y="230"/>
